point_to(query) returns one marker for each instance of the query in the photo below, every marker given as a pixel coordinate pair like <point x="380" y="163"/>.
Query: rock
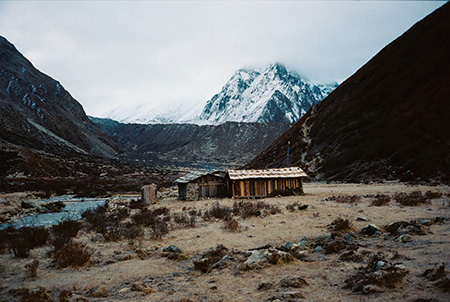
<point x="279" y="257"/>
<point x="321" y="240"/>
<point x="393" y="226"/>
<point x="54" y="207"/>
<point x="352" y="234"/>
<point x="404" y="238"/>
<point x="142" y="288"/>
<point x="318" y="249"/>
<point x="347" y="237"/>
<point x="371" y="230"/>
<point x="265" y="286"/>
<point x="425" y="222"/>
<point x="361" y="219"/>
<point x="290" y="245"/>
<point x="29" y="205"/>
<point x="381" y="265"/>
<point x="296" y="282"/>
<point x="303" y="243"/>
<point x="300" y="254"/>
<point x="124" y="290"/>
<point x="149" y="194"/>
<point x="257" y="256"/>
<point x="173" y="249"/>
<point x="371" y="289"/>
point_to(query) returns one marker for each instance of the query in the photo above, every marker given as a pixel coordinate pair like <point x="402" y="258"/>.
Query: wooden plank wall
<point x="264" y="187"/>
<point x="211" y="186"/>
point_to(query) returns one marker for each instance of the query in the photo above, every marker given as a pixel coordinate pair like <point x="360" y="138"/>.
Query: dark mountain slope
<point x="390" y="120"/>
<point x="37" y="112"/>
<point x="226" y="145"/>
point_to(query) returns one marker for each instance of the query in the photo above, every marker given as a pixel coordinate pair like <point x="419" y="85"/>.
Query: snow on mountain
<point x="273" y="95"/>
<point x="150" y="113"/>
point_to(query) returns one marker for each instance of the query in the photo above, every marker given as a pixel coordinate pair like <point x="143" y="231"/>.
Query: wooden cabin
<point x="265" y="182"/>
<point x="196" y="185"/>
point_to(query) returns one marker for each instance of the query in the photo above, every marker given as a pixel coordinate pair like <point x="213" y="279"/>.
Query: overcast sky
<point x="113" y="53"/>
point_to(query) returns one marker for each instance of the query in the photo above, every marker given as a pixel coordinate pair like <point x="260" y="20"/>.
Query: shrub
<point x="32" y="268"/>
<point x="64" y="231"/>
<point x="340" y="225"/>
<point x="433" y="195"/>
<point x="25" y="239"/>
<point x="249" y="209"/>
<point x="413" y="199"/>
<point x="231" y="225"/>
<point x="3" y="240"/>
<point x="159" y="228"/>
<point x="219" y="212"/>
<point x="97" y="218"/>
<point x="380" y="200"/>
<point x="73" y="254"/>
<point x="65" y="295"/>
<point x="348" y="199"/>
<point x="39" y="295"/>
<point x="184" y="219"/>
<point x="135" y="204"/>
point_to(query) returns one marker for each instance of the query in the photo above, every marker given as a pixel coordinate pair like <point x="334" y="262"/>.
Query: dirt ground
<point x="119" y="274"/>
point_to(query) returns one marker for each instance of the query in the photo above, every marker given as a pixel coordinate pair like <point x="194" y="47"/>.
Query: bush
<point x="232" y="225"/>
<point x="433" y="195"/>
<point x="39" y="295"/>
<point x="184" y="219"/>
<point x="64" y="231"/>
<point x="159" y="228"/>
<point x="73" y="254"/>
<point x="249" y="209"/>
<point x="348" y="199"/>
<point x="3" y="240"/>
<point x="97" y="219"/>
<point x="413" y="199"/>
<point x="32" y="268"/>
<point x="23" y="240"/>
<point x="380" y="200"/>
<point x="219" y="212"/>
<point x="340" y="225"/>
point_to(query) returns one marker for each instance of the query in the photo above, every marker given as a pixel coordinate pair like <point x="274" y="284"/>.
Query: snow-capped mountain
<point x="149" y="113"/>
<point x="273" y="95"/>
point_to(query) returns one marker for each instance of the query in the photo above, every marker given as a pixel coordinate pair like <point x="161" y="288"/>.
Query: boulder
<point x="172" y="249"/>
<point x="371" y="230"/>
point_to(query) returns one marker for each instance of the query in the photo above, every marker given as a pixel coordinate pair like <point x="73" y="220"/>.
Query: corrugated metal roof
<point x="291" y="172"/>
<point x="197" y="174"/>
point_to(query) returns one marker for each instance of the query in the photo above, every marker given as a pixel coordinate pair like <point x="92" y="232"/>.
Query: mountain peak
<point x="273" y="95"/>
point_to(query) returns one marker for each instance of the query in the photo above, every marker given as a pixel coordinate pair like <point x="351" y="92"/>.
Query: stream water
<point x="73" y="209"/>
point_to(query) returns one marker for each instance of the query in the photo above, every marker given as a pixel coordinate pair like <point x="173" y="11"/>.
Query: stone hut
<point x="200" y="184"/>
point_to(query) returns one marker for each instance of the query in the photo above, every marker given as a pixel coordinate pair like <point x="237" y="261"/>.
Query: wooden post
<point x="149" y="194"/>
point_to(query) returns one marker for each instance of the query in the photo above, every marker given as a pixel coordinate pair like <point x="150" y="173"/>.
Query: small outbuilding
<point x="265" y="182"/>
<point x="199" y="184"/>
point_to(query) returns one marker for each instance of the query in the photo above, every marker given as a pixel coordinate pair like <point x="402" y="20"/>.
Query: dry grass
<point x="73" y="254"/>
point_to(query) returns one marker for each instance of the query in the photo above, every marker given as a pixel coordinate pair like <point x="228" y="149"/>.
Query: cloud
<point x="113" y="53"/>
